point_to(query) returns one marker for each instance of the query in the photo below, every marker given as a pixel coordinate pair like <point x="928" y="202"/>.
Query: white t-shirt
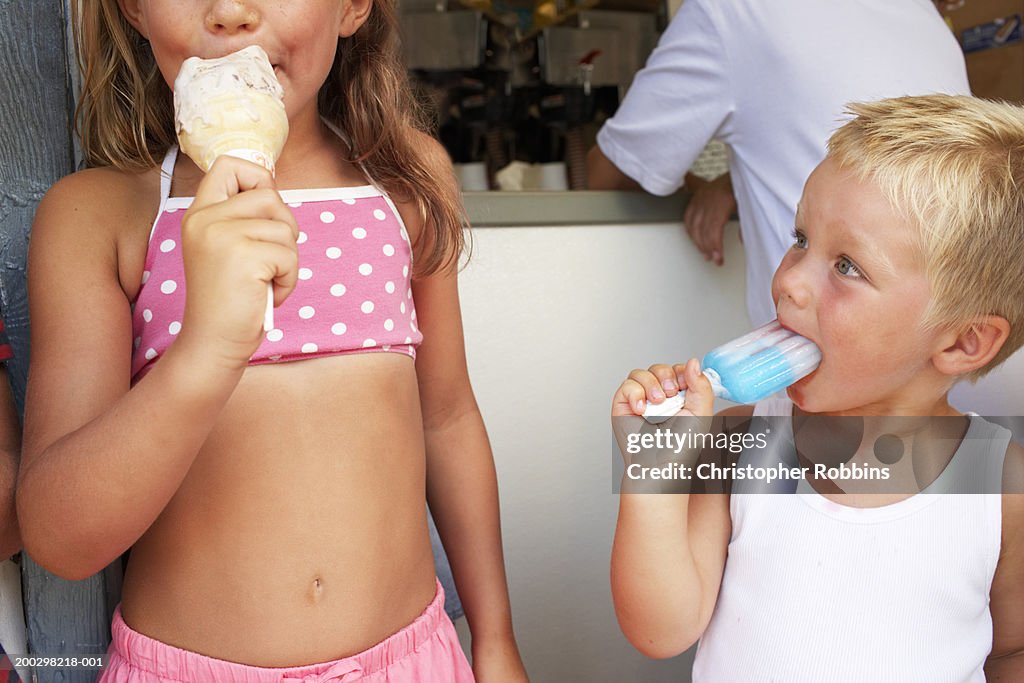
<point x="771" y="79"/>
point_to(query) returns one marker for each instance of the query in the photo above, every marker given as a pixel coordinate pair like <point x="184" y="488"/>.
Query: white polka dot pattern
<point x="351" y="296"/>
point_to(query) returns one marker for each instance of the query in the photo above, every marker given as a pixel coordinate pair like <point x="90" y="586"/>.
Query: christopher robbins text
<point x="715" y="472"/>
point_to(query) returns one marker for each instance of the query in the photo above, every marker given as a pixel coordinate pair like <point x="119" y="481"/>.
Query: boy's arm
<point x="669" y="552"/>
<point x="1006" y="661"/>
<point x="10" y="447"/>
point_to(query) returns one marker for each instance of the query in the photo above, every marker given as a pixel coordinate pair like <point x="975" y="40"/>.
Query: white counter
<point x="555" y="318"/>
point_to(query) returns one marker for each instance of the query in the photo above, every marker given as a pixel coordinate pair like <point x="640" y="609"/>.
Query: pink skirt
<point x="425" y="651"/>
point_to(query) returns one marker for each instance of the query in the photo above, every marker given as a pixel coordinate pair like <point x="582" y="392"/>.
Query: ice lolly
<point x="232" y="106"/>
<point x="751" y="368"/>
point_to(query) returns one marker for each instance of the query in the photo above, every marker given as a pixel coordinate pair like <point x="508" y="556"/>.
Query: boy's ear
<point x="131" y="11"/>
<point x="965" y="351"/>
<point x="353" y="16"/>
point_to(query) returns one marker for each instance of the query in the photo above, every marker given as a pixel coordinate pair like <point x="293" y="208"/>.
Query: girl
<point x="271" y="484"/>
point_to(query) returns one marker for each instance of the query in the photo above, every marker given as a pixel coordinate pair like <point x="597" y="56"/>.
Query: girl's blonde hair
<point x="953" y="166"/>
<point x="125" y="114"/>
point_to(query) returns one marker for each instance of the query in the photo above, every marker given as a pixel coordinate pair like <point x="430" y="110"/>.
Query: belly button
<point x="317" y="590"/>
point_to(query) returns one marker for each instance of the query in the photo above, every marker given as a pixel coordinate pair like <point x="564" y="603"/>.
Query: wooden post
<point x="36" y="150"/>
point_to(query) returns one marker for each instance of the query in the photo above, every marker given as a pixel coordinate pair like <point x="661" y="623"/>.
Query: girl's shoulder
<point x="97" y="205"/>
<point x="431" y="148"/>
<point x="100" y="192"/>
<point x="439" y="164"/>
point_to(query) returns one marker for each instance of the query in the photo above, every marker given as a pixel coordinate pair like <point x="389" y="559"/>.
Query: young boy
<point x="905" y="271"/>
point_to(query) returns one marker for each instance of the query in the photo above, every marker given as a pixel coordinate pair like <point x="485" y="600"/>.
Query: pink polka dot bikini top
<point x="353" y="295"/>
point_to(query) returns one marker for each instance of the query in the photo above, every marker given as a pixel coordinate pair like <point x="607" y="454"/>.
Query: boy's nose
<point x="232" y="16"/>
<point x="791" y="283"/>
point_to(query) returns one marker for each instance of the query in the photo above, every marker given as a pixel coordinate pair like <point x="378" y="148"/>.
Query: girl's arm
<point x="461" y="484"/>
<point x="669" y="552"/>
<point x="1006" y="661"/>
<point x="100" y="461"/>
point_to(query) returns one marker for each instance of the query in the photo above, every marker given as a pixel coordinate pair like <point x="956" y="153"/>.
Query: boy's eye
<point x="846" y="267"/>
<point x="799" y="240"/>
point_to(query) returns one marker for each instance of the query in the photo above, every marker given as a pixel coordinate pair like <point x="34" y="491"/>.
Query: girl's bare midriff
<point x="288" y="544"/>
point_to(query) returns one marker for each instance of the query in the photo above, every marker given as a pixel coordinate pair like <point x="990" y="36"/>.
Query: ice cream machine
<point x="527" y="86"/>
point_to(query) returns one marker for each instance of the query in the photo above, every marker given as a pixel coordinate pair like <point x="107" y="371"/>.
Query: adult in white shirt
<point x="771" y="79"/>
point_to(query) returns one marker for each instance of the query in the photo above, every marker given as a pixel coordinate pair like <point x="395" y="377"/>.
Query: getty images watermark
<point x="807" y="454"/>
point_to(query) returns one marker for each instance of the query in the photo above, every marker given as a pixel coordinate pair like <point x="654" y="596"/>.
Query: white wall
<point x="555" y="318"/>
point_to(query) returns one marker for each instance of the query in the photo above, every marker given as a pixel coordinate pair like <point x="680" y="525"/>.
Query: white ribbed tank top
<point x="816" y="591"/>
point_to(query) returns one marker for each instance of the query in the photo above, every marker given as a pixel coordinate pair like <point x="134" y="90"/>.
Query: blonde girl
<point x="270" y="484"/>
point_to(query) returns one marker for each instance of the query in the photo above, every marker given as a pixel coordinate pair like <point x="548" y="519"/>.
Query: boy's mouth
<point x="786" y="326"/>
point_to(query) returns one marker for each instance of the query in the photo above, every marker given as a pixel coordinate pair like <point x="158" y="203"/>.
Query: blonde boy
<point x="906" y="272"/>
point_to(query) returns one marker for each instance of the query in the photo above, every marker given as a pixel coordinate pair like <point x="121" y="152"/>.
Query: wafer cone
<point x="230" y="106"/>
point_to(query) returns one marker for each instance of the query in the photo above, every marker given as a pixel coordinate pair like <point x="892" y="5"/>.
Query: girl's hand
<point x="499" y="663"/>
<point x="661" y="381"/>
<point x="236" y="237"/>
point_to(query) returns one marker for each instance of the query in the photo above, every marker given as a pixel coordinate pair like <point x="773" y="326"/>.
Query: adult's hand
<point x="711" y="206"/>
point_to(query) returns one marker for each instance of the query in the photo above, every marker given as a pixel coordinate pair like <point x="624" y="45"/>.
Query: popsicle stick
<point x="268" y="315"/>
<point x="659" y="412"/>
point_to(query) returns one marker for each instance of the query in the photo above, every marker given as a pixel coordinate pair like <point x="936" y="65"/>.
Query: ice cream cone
<point x="230" y="106"/>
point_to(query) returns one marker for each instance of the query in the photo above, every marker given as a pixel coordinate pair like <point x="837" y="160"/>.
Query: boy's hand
<point x="661" y="381"/>
<point x="655" y="385"/>
<point x="236" y="237"/>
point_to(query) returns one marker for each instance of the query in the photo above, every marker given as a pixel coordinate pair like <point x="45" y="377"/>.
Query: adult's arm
<point x="680" y="100"/>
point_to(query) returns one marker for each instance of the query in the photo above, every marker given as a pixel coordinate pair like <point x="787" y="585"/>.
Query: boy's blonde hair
<point x="954" y="166"/>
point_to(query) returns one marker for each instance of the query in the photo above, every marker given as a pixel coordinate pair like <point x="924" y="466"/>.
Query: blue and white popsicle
<point x="752" y="367"/>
